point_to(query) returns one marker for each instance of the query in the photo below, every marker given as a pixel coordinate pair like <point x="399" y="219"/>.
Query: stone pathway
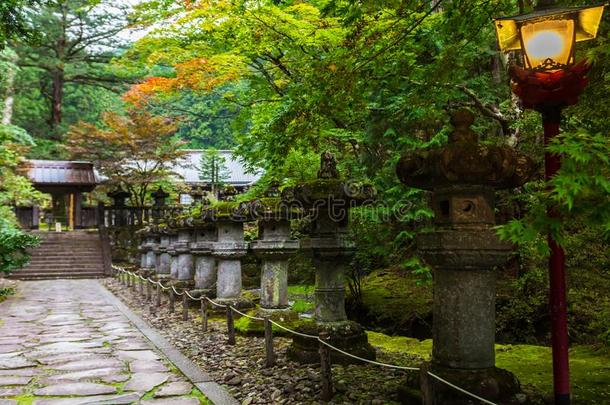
<point x="63" y="342"/>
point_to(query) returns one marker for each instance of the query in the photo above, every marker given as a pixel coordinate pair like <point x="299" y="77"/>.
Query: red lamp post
<point x="549" y="82"/>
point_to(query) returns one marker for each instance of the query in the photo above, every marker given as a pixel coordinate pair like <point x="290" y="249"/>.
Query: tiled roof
<point x="60" y="172"/>
<point x="188" y="168"/>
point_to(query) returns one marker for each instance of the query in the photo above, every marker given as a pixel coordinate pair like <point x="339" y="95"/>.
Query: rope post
<point x="185" y="307"/>
<point x="127" y="280"/>
<point x="172" y="300"/>
<point x="325" y="369"/>
<point x="270" y="356"/>
<point x="230" y="325"/>
<point x="134" y="287"/>
<point x="158" y="300"/>
<point x="142" y="293"/>
<point x="425" y="385"/>
<point x="148" y="292"/>
<point x="204" y="315"/>
<point x="124" y="279"/>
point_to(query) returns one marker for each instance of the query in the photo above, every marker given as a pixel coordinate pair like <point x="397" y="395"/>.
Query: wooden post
<point x="148" y="292"/>
<point x="185" y="306"/>
<point x="158" y="303"/>
<point x="425" y="385"/>
<point x="204" y="315"/>
<point x="141" y="286"/>
<point x="325" y="369"/>
<point x="133" y="283"/>
<point x="172" y="300"/>
<point x="230" y="325"/>
<point x="270" y="356"/>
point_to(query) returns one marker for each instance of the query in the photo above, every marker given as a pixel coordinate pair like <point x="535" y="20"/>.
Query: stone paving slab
<point x="66" y="342"/>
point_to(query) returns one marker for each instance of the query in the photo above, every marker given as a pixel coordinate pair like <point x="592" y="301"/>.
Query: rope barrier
<point x="191" y="297"/>
<point x="176" y="292"/>
<point x="256" y="318"/>
<point x="294" y="332"/>
<point x="463" y="391"/>
<point x="367" y="360"/>
<point x="215" y="303"/>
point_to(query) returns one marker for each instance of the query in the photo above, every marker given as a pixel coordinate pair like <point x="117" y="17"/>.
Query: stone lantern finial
<point x="461" y="120"/>
<point x="328" y="166"/>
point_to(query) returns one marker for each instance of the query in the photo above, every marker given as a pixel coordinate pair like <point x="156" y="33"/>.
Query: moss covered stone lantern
<point x="328" y="199"/>
<point x="463" y="251"/>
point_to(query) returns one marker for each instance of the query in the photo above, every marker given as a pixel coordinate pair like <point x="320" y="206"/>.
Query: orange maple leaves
<point x="197" y="74"/>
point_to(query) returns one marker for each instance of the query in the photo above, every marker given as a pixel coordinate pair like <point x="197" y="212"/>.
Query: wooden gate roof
<point x="60" y="173"/>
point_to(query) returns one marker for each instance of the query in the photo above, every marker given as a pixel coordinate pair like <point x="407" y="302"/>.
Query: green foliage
<point x="5" y="292"/>
<point x="579" y="192"/>
<point x="213" y="169"/>
<point x="14" y="190"/>
<point x="13" y="20"/>
<point x="13" y="245"/>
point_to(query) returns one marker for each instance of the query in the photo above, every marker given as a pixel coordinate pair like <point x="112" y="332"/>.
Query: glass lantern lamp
<point x="546" y="37"/>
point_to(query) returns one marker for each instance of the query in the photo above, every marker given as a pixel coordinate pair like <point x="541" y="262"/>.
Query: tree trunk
<point x="57" y="96"/>
<point x="9" y="98"/>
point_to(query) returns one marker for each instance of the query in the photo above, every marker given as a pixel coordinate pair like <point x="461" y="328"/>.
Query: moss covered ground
<point x="589" y="366"/>
<point x="396" y="302"/>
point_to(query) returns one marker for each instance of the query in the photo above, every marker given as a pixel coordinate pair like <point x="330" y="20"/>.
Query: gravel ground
<point x="241" y="369"/>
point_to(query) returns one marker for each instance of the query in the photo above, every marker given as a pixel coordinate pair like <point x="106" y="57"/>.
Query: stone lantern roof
<point x="464" y="161"/>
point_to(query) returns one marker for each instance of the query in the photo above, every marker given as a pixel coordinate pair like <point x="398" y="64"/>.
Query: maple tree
<point x="135" y="150"/>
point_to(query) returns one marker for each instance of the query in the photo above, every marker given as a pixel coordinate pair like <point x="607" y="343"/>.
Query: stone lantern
<point x="204" y="236"/>
<point x="147" y="248"/>
<point x="329" y="200"/>
<point x="119" y="205"/>
<point x="274" y="246"/>
<point x="463" y="251"/>
<point x="183" y="271"/>
<point x="228" y="248"/>
<point x="119" y="197"/>
<point x="159" y="197"/>
<point x="163" y="258"/>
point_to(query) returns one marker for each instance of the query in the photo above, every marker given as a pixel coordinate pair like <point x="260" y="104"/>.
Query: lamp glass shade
<point x="585" y="24"/>
<point x="548" y="44"/>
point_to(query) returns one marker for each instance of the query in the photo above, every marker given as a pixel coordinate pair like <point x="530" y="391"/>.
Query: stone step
<point x="54" y="257"/>
<point x="64" y="265"/>
<point x="62" y="268"/>
<point x="56" y="275"/>
<point x="75" y="254"/>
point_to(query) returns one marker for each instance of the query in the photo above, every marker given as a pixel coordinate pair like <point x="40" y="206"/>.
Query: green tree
<point x="14" y="190"/>
<point x="80" y="38"/>
<point x="213" y="169"/>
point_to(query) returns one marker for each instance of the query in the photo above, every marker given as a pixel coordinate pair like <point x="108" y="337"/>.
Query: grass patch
<point x="301" y="306"/>
<point x="25" y="399"/>
<point x="301" y="289"/>
<point x="251" y="327"/>
<point x="589" y="366"/>
<point x="202" y="398"/>
<point x="5" y="292"/>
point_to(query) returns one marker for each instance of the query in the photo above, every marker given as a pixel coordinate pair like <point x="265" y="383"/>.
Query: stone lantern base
<point x="348" y="336"/>
<point x="494" y="384"/>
